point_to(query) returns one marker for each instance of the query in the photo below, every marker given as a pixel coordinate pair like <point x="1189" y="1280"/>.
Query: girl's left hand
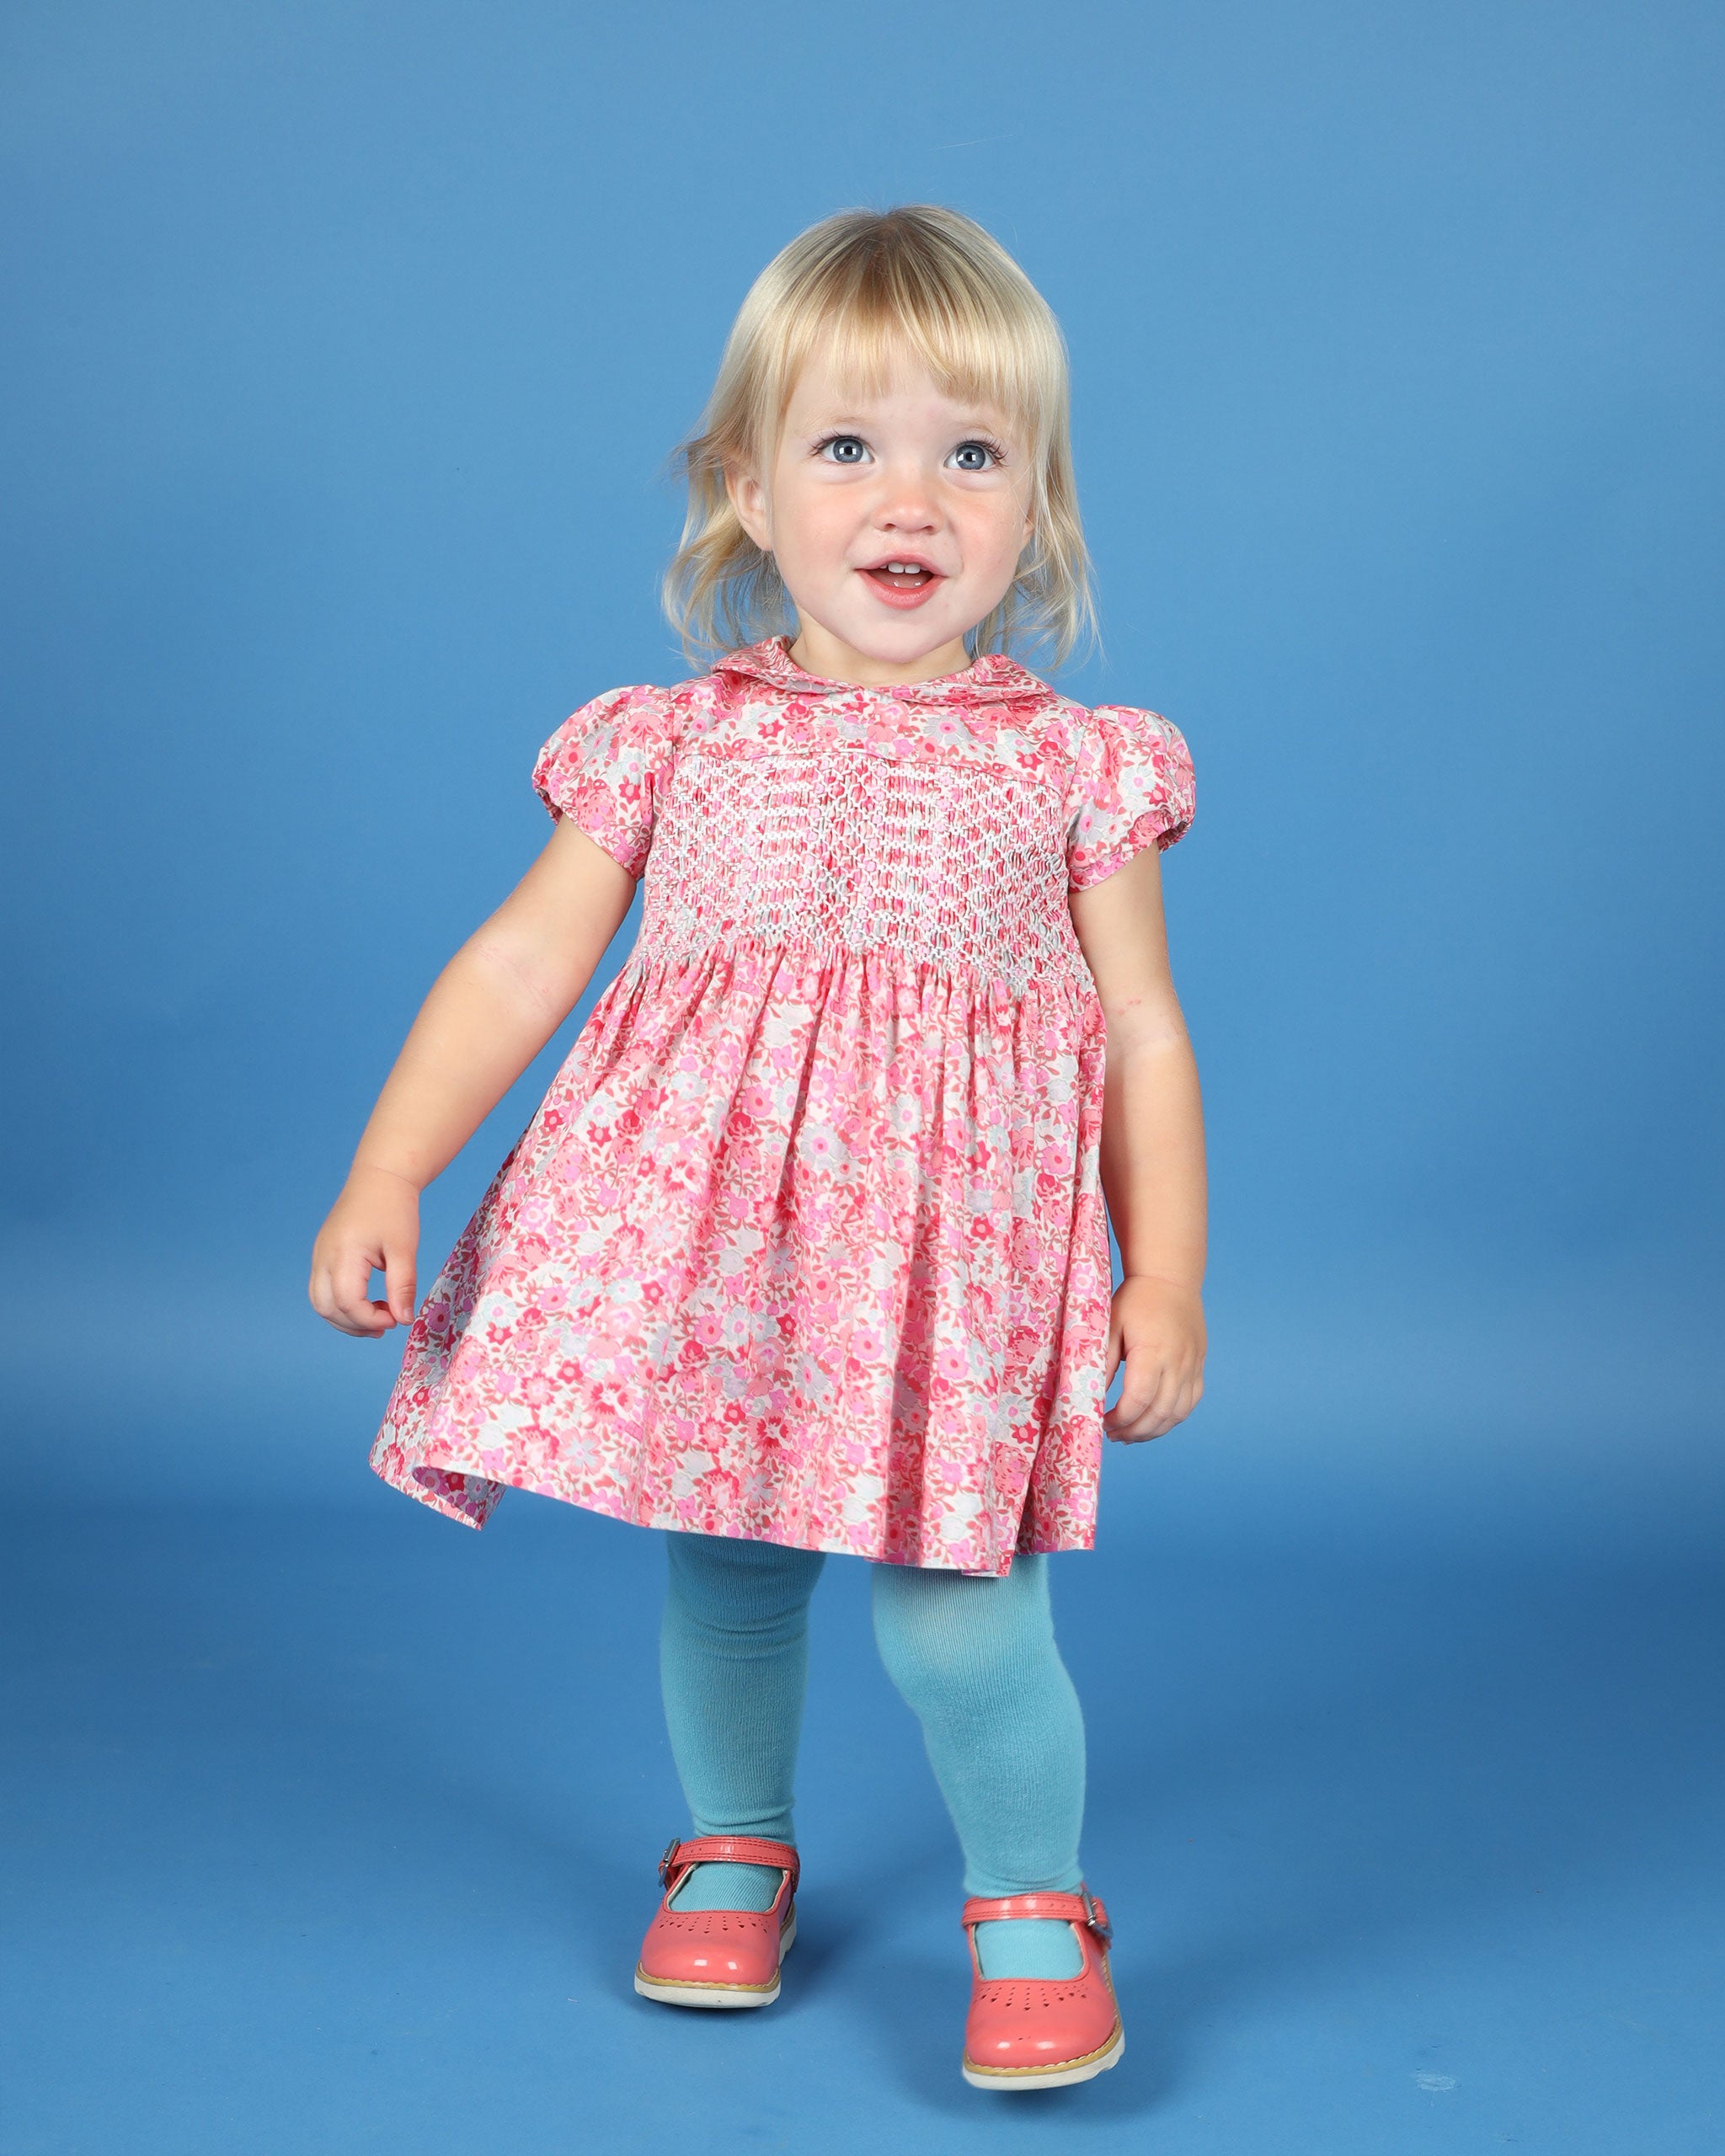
<point x="1156" y="1327"/>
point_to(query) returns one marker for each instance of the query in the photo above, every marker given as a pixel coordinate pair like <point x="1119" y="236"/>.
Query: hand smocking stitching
<point x="937" y="862"/>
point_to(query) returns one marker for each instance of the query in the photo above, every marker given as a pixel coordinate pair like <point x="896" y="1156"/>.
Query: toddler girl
<point x="805" y="1251"/>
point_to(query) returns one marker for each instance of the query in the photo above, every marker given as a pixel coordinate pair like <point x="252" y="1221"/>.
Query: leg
<point x="734" y="1659"/>
<point x="976" y="1662"/>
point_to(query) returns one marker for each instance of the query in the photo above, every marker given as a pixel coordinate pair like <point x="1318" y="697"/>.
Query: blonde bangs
<point x="871" y="310"/>
<point x="874" y="286"/>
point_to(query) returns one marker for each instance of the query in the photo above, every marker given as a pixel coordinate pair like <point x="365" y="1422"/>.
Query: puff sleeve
<point x="1132" y="784"/>
<point x="605" y="767"/>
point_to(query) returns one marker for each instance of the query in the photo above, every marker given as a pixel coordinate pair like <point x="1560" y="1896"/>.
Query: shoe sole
<point x="1010" y="2081"/>
<point x="717" y="1995"/>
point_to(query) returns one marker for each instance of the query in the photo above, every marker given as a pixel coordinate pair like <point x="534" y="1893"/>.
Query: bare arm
<point x="1152" y="1152"/>
<point x="490" y="1011"/>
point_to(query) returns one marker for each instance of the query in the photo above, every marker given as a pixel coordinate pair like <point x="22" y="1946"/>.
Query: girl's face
<point x="897" y="521"/>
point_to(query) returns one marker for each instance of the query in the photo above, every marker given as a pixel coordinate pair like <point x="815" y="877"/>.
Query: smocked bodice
<point x="941" y="824"/>
<point x="929" y="851"/>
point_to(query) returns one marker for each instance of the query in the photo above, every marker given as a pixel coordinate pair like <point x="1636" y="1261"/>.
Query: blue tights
<point x="976" y="1661"/>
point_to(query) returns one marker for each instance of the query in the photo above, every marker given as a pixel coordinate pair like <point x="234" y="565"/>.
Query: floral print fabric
<point x="806" y="1243"/>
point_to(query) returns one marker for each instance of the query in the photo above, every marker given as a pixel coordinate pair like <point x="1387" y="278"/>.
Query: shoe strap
<point x="1081" y="1908"/>
<point x="681" y="1858"/>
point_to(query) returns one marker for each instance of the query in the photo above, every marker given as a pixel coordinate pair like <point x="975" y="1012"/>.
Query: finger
<point x="1137" y="1390"/>
<point x="1167" y="1405"/>
<point x="364" y="1323"/>
<point x="1137" y="1387"/>
<point x="1158" y="1417"/>
<point x="399" y="1285"/>
<point x="345" y="1312"/>
<point x="364" y="1328"/>
<point x="351" y="1276"/>
<point x="1168" y="1413"/>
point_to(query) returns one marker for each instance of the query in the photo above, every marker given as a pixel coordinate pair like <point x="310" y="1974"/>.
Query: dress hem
<point x="428" y="1483"/>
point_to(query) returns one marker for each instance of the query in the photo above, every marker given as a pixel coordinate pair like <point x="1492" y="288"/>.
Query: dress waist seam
<point x="651" y="955"/>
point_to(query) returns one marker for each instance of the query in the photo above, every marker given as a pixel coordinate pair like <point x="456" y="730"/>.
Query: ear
<point x="749" y="498"/>
<point x="1029" y="537"/>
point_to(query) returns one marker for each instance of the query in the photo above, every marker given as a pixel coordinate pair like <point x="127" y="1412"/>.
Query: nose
<point x="907" y="500"/>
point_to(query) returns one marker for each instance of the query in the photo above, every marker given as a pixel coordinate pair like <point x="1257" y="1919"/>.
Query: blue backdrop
<point x="345" y="346"/>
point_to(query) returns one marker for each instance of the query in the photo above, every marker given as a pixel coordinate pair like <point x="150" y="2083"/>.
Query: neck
<point x="817" y="651"/>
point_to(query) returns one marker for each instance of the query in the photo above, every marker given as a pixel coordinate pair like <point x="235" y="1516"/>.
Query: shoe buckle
<point x="1095" y="1920"/>
<point x="665" y="1862"/>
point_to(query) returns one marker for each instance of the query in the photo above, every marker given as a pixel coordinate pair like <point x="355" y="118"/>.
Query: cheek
<point x="996" y="539"/>
<point x="810" y="527"/>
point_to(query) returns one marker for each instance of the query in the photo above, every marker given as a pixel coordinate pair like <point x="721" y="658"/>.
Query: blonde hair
<point x="878" y="283"/>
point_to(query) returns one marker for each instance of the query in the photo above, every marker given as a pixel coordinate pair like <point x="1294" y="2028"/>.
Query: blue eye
<point x="845" y="449"/>
<point x="972" y="457"/>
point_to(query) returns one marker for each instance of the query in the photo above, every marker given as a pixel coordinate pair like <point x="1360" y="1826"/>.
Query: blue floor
<point x="335" y="1831"/>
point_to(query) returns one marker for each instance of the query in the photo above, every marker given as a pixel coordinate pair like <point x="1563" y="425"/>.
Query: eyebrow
<point x="974" y="419"/>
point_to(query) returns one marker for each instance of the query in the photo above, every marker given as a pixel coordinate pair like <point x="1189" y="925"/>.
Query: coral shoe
<point x="1041" y="2033"/>
<point x="718" y="1957"/>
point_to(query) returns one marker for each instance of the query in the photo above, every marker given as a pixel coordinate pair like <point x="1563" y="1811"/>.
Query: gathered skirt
<point x="804" y="1246"/>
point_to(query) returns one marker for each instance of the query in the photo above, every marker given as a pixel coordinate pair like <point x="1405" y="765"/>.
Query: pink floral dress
<point x="806" y="1244"/>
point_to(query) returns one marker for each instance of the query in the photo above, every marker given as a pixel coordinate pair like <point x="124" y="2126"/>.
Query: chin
<point x="899" y="643"/>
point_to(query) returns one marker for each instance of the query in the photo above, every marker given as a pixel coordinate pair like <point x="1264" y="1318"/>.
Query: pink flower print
<point x="866" y="1344"/>
<point x="754" y="1489"/>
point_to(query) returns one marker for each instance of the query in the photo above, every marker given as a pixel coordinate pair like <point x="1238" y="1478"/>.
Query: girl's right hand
<point x="374" y="1223"/>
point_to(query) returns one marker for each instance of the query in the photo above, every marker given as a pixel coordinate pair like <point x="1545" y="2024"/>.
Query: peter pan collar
<point x="990" y="678"/>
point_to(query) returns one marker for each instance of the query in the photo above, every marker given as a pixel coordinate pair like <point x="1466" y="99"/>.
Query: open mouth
<point x="902" y="582"/>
